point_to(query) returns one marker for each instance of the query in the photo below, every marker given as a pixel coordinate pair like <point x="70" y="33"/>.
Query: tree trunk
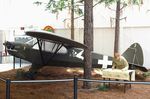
<point x="117" y="27"/>
<point x="88" y="40"/>
<point x="72" y="19"/>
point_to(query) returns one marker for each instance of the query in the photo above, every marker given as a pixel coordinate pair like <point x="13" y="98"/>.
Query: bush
<point x="103" y="87"/>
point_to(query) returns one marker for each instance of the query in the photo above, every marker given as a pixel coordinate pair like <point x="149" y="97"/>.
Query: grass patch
<point x="146" y="74"/>
<point x="20" y="74"/>
<point x="103" y="87"/>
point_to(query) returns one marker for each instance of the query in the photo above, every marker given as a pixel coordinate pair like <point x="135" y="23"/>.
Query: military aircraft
<point x="51" y="49"/>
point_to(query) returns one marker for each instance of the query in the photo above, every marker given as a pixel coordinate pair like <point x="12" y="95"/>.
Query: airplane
<point x="51" y="49"/>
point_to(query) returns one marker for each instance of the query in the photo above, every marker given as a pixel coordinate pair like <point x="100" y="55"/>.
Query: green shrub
<point x="20" y="74"/>
<point x="103" y="88"/>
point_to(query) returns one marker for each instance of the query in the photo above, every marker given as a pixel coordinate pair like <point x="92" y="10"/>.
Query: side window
<point x="51" y="47"/>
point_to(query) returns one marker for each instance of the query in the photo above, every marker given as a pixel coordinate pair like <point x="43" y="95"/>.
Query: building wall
<point x="5" y="35"/>
<point x="1" y="41"/>
<point x="140" y="35"/>
<point x="1" y="45"/>
<point x="104" y="39"/>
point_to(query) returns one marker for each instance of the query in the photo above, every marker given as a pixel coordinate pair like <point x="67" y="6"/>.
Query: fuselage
<point x="73" y="57"/>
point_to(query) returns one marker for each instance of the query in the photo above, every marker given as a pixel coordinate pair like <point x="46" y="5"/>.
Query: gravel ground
<point x="64" y="90"/>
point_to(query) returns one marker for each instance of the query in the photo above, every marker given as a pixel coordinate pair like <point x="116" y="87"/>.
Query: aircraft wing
<point x="49" y="36"/>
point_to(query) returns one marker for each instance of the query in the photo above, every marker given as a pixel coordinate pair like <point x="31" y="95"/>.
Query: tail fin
<point x="134" y="54"/>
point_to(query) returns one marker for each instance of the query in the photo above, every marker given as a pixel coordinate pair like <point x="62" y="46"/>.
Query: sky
<point x="23" y="13"/>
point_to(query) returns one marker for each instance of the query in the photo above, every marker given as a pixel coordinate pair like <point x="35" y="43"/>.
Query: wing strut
<point x="40" y="49"/>
<point x="59" y="46"/>
<point x="53" y="47"/>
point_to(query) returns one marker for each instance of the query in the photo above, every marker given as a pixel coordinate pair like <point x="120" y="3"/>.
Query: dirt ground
<point x="64" y="90"/>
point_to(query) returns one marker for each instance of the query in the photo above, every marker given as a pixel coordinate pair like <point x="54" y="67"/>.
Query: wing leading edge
<point x="55" y="38"/>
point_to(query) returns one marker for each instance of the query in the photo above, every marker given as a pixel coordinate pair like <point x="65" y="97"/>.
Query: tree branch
<point x="123" y="18"/>
<point x="98" y="3"/>
<point x="148" y="11"/>
<point x="120" y="18"/>
<point x="111" y="8"/>
<point x="93" y="7"/>
<point x="123" y="6"/>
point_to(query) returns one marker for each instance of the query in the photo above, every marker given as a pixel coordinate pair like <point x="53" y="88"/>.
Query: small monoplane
<point x="50" y="49"/>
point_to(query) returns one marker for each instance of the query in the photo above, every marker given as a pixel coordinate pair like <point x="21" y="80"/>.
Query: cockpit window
<point x="52" y="47"/>
<point x="47" y="46"/>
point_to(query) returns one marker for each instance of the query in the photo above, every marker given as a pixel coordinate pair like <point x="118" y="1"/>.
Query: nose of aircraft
<point x="9" y="45"/>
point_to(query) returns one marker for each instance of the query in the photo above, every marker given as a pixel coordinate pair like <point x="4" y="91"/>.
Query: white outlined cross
<point x="105" y="62"/>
